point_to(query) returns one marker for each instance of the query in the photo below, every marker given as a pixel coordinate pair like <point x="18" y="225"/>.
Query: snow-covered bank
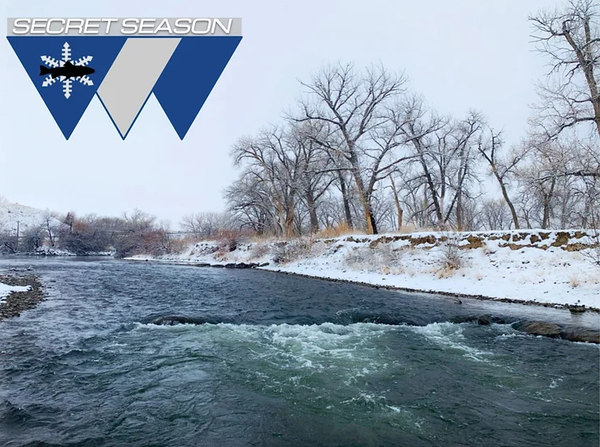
<point x="533" y="265"/>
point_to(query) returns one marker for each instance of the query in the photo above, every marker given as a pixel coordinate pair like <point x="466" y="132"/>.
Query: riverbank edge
<point x="18" y="302"/>
<point x="266" y="267"/>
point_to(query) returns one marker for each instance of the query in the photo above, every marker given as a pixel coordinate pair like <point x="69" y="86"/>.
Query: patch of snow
<point x="6" y="290"/>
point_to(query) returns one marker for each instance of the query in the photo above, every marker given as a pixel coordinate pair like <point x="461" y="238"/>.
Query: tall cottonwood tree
<point x="570" y="38"/>
<point x="489" y="146"/>
<point x="276" y="164"/>
<point x="356" y="106"/>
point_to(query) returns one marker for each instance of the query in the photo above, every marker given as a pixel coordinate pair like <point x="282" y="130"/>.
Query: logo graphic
<point x="123" y="62"/>
<point x="64" y="70"/>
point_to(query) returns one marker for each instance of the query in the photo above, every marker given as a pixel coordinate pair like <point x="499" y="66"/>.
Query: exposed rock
<point x="562" y="238"/>
<point x="539" y="328"/>
<point x="582" y="335"/>
<point x="577" y="309"/>
<point x="240" y="265"/>
<point x="172" y="320"/>
<point x="474" y="242"/>
<point x="575" y="247"/>
<point x="556" y="331"/>
<point x="423" y="240"/>
<point x="482" y="320"/>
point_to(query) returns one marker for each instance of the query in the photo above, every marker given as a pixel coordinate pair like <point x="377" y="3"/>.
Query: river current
<point x="280" y="360"/>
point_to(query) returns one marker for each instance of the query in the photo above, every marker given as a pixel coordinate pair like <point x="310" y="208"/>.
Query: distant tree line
<point x="131" y="234"/>
<point x="360" y="151"/>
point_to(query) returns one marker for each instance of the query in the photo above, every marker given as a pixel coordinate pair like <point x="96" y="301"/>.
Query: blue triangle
<point x="190" y="76"/>
<point x="67" y="112"/>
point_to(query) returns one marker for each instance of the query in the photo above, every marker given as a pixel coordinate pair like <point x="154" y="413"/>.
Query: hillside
<point x="13" y="214"/>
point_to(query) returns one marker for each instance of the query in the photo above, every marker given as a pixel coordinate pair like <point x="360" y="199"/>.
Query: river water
<point x="280" y="361"/>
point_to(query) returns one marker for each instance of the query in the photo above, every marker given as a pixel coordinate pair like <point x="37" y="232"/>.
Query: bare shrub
<point x="317" y="248"/>
<point x="228" y="241"/>
<point x="260" y="249"/>
<point x="289" y="251"/>
<point x="381" y="258"/>
<point x="592" y="254"/>
<point x="359" y="257"/>
<point x="388" y="256"/>
<point x="451" y="256"/>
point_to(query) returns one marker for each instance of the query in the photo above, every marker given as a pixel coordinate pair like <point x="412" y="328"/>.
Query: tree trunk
<point x="312" y="211"/>
<point x="459" y="211"/>
<point x="436" y="204"/>
<point x="546" y="203"/>
<point x="399" y="211"/>
<point x="346" y="200"/>
<point x="366" y="203"/>
<point x="290" y="213"/>
<point x="513" y="212"/>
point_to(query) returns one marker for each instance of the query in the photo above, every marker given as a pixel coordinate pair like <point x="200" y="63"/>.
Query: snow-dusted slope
<point x="13" y="214"/>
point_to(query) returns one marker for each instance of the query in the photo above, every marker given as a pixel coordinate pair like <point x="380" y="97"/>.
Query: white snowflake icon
<point x="67" y="82"/>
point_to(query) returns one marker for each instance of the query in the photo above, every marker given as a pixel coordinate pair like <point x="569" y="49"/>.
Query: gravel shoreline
<point x="18" y="302"/>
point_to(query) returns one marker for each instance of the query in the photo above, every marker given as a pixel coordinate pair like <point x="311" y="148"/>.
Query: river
<point x="280" y="361"/>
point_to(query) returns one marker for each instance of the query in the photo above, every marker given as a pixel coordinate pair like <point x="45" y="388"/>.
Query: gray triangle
<point x="132" y="76"/>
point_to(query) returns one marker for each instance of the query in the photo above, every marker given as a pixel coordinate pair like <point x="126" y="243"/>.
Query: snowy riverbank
<point x="6" y="290"/>
<point x="536" y="266"/>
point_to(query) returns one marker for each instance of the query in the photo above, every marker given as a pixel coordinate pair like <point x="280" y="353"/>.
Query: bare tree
<point x="276" y="157"/>
<point x="315" y="168"/>
<point x="489" y="146"/>
<point x="495" y="214"/>
<point x="356" y="106"/>
<point x="49" y="225"/>
<point x="206" y="224"/>
<point x="571" y="39"/>
<point x="249" y="201"/>
<point x="445" y="155"/>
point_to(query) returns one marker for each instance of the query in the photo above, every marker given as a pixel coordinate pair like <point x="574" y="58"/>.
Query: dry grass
<point x="574" y="281"/>
<point x="446" y="272"/>
<point x="339" y="230"/>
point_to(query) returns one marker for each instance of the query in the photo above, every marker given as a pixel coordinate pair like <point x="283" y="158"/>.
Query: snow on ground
<point x="6" y="290"/>
<point x="532" y="265"/>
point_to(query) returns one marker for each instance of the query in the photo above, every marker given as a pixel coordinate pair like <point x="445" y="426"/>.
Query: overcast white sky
<point x="460" y="54"/>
